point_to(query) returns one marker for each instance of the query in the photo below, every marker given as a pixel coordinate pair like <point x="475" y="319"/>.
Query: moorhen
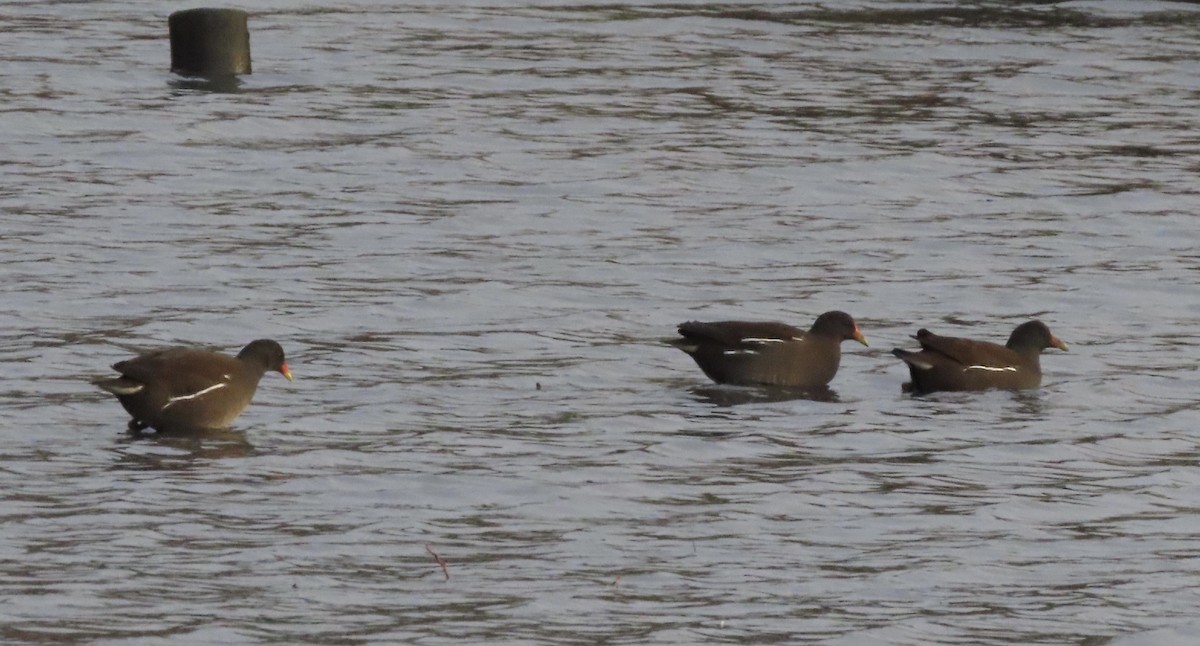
<point x="187" y="389"/>
<point x="753" y="353"/>
<point x="949" y="363"/>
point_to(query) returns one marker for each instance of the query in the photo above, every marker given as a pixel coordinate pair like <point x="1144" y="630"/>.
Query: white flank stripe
<point x="760" y="341"/>
<point x="740" y="352"/>
<point x="193" y="395"/>
<point x="1004" y="369"/>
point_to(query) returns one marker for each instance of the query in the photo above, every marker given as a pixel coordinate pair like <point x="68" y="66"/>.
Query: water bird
<point x="768" y="353"/>
<point x="178" y="389"/>
<point x="950" y="363"/>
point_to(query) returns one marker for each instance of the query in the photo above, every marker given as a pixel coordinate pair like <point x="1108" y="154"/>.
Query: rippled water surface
<point x="471" y="226"/>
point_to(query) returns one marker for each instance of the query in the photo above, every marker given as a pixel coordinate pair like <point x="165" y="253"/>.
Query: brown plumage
<point x="186" y="389"/>
<point x="769" y="353"/>
<point x="949" y="363"/>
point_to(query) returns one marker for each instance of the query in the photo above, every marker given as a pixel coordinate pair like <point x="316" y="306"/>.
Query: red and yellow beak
<point x="858" y="336"/>
<point x="285" y="371"/>
<point x="1058" y="343"/>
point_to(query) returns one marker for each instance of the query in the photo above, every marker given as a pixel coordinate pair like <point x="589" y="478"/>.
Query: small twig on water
<point x="439" y="560"/>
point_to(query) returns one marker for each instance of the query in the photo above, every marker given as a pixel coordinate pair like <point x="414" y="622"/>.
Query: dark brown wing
<point x="739" y="334"/>
<point x="180" y="371"/>
<point x="967" y="352"/>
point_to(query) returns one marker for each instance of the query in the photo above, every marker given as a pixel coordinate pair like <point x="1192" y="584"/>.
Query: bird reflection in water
<point x="738" y="395"/>
<point x="180" y="450"/>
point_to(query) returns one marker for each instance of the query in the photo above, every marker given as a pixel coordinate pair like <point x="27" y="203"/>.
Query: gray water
<point x="472" y="225"/>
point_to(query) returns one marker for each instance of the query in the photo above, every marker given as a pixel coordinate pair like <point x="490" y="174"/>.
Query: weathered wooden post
<point x="212" y="43"/>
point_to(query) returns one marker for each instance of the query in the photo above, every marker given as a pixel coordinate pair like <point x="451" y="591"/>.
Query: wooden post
<point x="209" y="42"/>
